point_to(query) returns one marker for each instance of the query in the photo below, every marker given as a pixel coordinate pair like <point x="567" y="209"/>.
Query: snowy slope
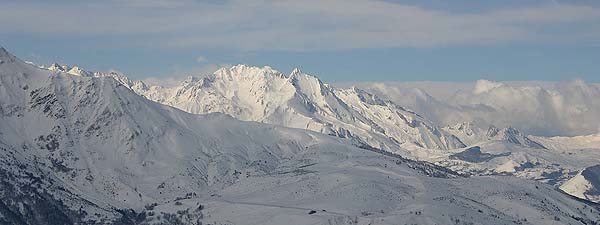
<point x="124" y="151"/>
<point x="507" y="151"/>
<point x="586" y="185"/>
<point x="89" y="149"/>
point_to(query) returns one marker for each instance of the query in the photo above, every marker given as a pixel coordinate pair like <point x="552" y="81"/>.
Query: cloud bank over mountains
<point x="539" y="108"/>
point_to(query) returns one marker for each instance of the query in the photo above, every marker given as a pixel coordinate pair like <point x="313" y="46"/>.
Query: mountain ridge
<point x="300" y="97"/>
<point x="303" y="101"/>
<point x="303" y="97"/>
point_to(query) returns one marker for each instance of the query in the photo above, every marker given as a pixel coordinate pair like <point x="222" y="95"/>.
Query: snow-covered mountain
<point x="470" y="134"/>
<point x="553" y="160"/>
<point x="523" y="109"/>
<point x="300" y="100"/>
<point x="135" y="85"/>
<point x="297" y="100"/>
<point x="78" y="149"/>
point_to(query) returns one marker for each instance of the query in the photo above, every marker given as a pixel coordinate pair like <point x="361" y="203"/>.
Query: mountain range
<point x="250" y="145"/>
<point x="300" y="100"/>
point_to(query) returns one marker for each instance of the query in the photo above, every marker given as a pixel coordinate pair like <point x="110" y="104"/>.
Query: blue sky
<point x="337" y="40"/>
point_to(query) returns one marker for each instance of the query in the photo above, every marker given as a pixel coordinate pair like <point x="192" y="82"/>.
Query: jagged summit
<point x="296" y="71"/>
<point x="58" y="67"/>
<point x="249" y="72"/>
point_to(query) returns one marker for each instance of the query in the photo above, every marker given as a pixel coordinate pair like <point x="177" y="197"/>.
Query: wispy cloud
<point x="249" y="25"/>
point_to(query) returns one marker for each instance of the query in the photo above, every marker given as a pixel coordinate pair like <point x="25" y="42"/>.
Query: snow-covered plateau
<point x="250" y="145"/>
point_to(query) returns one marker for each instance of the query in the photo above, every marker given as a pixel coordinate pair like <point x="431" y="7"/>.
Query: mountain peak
<point x="57" y="67"/>
<point x="76" y="71"/>
<point x="296" y="71"/>
<point x="242" y="71"/>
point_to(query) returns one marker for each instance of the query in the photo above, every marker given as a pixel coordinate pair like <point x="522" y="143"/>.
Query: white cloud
<point x="482" y="86"/>
<point x="297" y="25"/>
<point x="539" y="108"/>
